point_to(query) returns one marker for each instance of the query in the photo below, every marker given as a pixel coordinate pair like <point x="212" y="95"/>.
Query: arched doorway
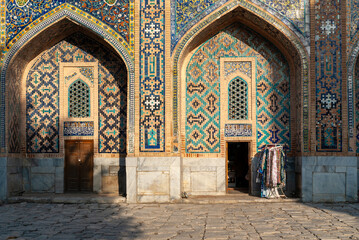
<point x="70" y="97"/>
<point x="245" y="42"/>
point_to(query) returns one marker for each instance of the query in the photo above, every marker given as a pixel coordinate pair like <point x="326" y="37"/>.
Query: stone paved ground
<point x="179" y="221"/>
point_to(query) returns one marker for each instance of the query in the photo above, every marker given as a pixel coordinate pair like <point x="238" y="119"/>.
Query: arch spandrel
<point x="294" y="14"/>
<point x="48" y="29"/>
<point x="272" y="29"/>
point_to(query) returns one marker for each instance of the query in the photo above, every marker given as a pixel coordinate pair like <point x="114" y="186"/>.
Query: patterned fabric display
<point x="203" y="97"/>
<point x="42" y="97"/>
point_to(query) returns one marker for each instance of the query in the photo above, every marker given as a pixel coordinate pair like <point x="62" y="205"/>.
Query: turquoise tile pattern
<point x="203" y="84"/>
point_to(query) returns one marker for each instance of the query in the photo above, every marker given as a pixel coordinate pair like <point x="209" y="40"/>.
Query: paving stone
<point x="179" y="221"/>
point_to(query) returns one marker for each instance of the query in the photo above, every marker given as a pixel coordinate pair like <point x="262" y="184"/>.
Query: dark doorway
<point x="78" y="165"/>
<point x="238" y="174"/>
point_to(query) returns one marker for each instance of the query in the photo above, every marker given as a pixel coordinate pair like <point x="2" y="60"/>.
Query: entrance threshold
<point x="235" y="198"/>
<point x="68" y="198"/>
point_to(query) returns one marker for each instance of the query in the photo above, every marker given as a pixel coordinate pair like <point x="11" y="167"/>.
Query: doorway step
<point x="68" y="198"/>
<point x="234" y="198"/>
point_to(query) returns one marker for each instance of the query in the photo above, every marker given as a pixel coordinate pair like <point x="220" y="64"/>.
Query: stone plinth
<point x="329" y="179"/>
<point x="204" y="176"/>
<point x="152" y="179"/>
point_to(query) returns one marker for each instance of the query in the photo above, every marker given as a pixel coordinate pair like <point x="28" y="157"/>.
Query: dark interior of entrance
<point x="238" y="174"/>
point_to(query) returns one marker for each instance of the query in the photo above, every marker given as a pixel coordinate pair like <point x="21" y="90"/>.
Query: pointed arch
<point x="47" y="32"/>
<point x="351" y="87"/>
<point x="268" y="26"/>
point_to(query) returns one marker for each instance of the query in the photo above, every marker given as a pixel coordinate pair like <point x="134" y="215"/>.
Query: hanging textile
<point x="271" y="171"/>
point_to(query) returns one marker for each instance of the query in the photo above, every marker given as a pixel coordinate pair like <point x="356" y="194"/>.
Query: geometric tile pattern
<point x="42" y="105"/>
<point x="113" y="13"/>
<point x="328" y="74"/>
<point x="353" y="10"/>
<point x="203" y="96"/>
<point x="186" y="14"/>
<point x="42" y="101"/>
<point x="242" y="67"/>
<point x="152" y="76"/>
<point x="79" y="100"/>
<point x="112" y="105"/>
<point x="238" y="99"/>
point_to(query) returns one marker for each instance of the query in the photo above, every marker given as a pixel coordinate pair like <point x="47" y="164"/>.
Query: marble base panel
<point x="3" y="178"/>
<point x="329" y="179"/>
<point x="153" y="179"/>
<point x="204" y="176"/>
<point x="14" y="176"/>
<point x="109" y="175"/>
<point x="43" y="175"/>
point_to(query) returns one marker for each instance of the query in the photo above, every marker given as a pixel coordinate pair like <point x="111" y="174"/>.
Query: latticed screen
<point x="79" y="100"/>
<point x="238" y="99"/>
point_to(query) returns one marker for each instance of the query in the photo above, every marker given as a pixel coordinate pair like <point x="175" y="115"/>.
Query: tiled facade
<point x="153" y="79"/>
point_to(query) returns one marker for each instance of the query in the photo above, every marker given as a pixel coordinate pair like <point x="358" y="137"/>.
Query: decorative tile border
<point x="328" y="75"/>
<point x="79" y="129"/>
<point x="238" y="130"/>
<point x="152" y="76"/>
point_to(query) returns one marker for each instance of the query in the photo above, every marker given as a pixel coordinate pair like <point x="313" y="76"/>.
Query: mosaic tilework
<point x="115" y="15"/>
<point x="112" y="100"/>
<point x="186" y="14"/>
<point x="36" y="26"/>
<point x="237" y="130"/>
<point x="2" y="24"/>
<point x="21" y="15"/>
<point x="328" y="47"/>
<point x="112" y="106"/>
<point x="275" y="29"/>
<point x="152" y="76"/>
<point x="203" y="103"/>
<point x="42" y="105"/>
<point x="79" y="128"/>
<point x="353" y="15"/>
<point x="243" y="67"/>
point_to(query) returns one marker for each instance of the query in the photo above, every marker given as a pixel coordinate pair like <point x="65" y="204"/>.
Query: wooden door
<point x="78" y="165"/>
